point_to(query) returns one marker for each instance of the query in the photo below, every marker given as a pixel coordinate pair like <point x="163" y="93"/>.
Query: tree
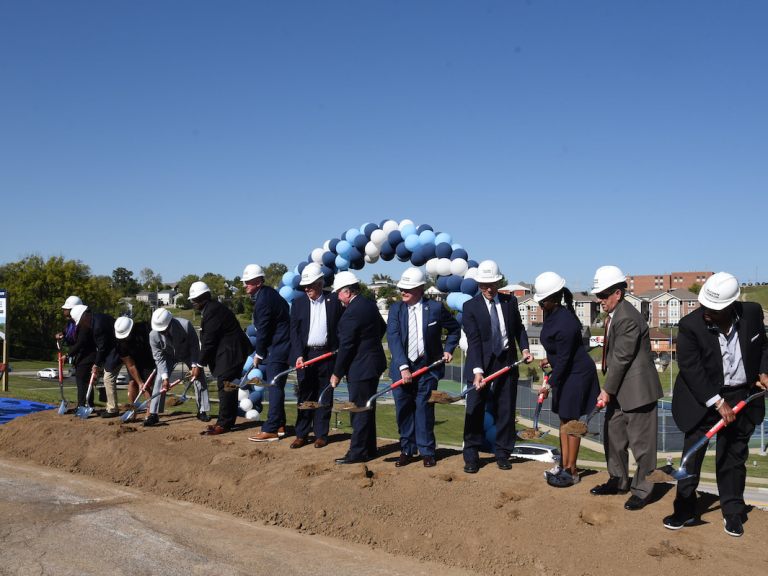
<point x="150" y="280"/>
<point x="274" y="273"/>
<point x="695" y="288"/>
<point x="218" y="285"/>
<point x="183" y="286"/>
<point x="124" y="282"/>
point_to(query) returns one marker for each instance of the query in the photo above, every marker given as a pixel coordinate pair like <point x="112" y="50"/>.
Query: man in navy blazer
<point x="361" y="359"/>
<point x="272" y="321"/>
<point x="493" y="326"/>
<point x="722" y="352"/>
<point x="414" y="333"/>
<point x="314" y="322"/>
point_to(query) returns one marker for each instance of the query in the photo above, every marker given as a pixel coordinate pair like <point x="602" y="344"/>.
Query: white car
<point x="540" y="452"/>
<point x="51" y="373"/>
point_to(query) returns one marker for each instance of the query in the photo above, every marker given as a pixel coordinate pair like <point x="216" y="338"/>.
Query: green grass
<point x="757" y="294"/>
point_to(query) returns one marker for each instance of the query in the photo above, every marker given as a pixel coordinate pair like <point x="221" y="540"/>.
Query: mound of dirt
<point x="493" y="522"/>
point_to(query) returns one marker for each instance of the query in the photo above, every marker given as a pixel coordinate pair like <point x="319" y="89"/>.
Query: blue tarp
<point x="11" y="408"/>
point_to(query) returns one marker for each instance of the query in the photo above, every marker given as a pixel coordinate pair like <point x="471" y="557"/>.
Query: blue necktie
<point x="498" y="344"/>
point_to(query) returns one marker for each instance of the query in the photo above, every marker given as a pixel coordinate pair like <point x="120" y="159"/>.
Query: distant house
<point x="640" y="304"/>
<point x="587" y="308"/>
<point x="666" y="308"/>
<point x="166" y="297"/>
<point x="520" y="289"/>
<point x="148" y="297"/>
<point x="530" y="312"/>
<point x="662" y="342"/>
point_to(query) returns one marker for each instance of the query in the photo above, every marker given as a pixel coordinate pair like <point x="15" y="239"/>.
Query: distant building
<point x="666" y="308"/>
<point x="638" y="284"/>
<point x="148" y="297"/>
<point x="166" y="297"/>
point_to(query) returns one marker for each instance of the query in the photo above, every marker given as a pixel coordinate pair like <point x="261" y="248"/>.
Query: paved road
<point x="62" y="524"/>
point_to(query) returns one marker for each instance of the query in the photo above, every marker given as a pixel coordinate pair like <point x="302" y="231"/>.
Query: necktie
<point x="496" y="341"/>
<point x="605" y="344"/>
<point x="413" y="335"/>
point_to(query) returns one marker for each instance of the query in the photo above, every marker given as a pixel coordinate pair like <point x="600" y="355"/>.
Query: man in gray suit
<point x="630" y="391"/>
<point x="174" y="340"/>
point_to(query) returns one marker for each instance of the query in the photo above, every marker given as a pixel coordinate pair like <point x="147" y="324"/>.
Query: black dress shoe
<point x="203" y="417"/>
<point x="108" y="414"/>
<point x="635" y="503"/>
<point x="429" y="461"/>
<point x="733" y="525"/>
<point x="610" y="488"/>
<point x="472" y="467"/>
<point x="676" y="521"/>
<point x="152" y="420"/>
<point x="403" y="460"/>
<point x="504" y="464"/>
<point x="347" y="459"/>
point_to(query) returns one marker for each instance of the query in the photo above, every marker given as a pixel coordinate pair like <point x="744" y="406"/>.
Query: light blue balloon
<point x="255" y="373"/>
<point x="456" y="246"/>
<point x="343" y="248"/>
<point x="341" y="263"/>
<point x="248" y="364"/>
<point x="352" y="233"/>
<point x="407" y="230"/>
<point x="287" y="293"/>
<point x="451" y="300"/>
<point x="443" y="237"/>
<point x="412" y="242"/>
<point x="427" y="237"/>
<point x="460" y="300"/>
<point x="288" y="277"/>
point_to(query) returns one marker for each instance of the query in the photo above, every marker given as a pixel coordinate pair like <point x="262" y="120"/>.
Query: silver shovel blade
<point x="62" y="408"/>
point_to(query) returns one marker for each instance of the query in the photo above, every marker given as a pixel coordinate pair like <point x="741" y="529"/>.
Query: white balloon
<point x="389" y="226"/>
<point x="471" y="273"/>
<point x="432" y="266"/>
<point x="317" y="255"/>
<point x="463" y="344"/>
<point x="371" y="249"/>
<point x="444" y="266"/>
<point x="242" y="394"/>
<point x="404" y="222"/>
<point x="371" y="259"/>
<point x="378" y="237"/>
<point x="458" y="266"/>
<point x="326" y="246"/>
<point x="246" y="404"/>
<point x="252" y="414"/>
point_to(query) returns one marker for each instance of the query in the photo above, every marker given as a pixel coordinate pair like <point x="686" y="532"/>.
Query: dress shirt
<point x="733" y="364"/>
<point x="318" y="322"/>
<point x="418" y="308"/>
<point x="502" y="327"/>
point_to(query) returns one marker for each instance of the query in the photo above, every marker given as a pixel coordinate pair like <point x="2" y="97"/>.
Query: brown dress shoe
<point x="299" y="442"/>
<point x="321" y="443"/>
<point x="281" y="432"/>
<point x="403" y="460"/>
<point x="214" y="430"/>
<point x="429" y="461"/>
<point x="264" y="437"/>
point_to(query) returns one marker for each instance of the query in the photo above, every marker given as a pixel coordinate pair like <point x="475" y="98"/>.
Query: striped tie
<point x="413" y="335"/>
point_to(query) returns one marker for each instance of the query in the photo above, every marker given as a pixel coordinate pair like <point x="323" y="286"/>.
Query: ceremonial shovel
<point x="669" y="474"/>
<point x="136" y="406"/>
<point x="532" y="433"/>
<point x="274" y="380"/>
<point x="313" y="405"/>
<point x="85" y="411"/>
<point x="579" y="428"/>
<point x="441" y="397"/>
<point x="63" y="406"/>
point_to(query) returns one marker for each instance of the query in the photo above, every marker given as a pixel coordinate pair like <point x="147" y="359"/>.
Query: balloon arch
<point x="445" y="260"/>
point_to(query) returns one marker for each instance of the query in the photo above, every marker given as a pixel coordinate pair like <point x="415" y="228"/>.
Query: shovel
<point x="314" y="405"/>
<point x="277" y="377"/>
<point x="579" y="428"/>
<point x="669" y="474"/>
<point x="352" y="407"/>
<point x="532" y="433"/>
<point x="440" y="397"/>
<point x="63" y="406"/>
<point x="135" y="406"/>
<point x="179" y="400"/>
<point x="85" y="411"/>
<point x="144" y="404"/>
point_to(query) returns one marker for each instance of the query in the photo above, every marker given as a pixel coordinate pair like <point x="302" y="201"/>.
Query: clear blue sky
<point x="191" y="136"/>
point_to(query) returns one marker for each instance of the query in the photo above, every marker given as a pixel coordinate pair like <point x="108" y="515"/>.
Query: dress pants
<point x="110" y="388"/>
<point x="731" y="453"/>
<point x="362" y="445"/>
<point x="636" y="430"/>
<point x="503" y="393"/>
<point x="82" y="377"/>
<point x="416" y="416"/>
<point x="275" y="397"/>
<point x="227" y="401"/>
<point x="315" y="379"/>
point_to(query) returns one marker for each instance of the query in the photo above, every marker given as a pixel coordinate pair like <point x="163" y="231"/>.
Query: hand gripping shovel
<point x="441" y="397"/>
<point x="136" y="405"/>
<point x="85" y="411"/>
<point x="277" y="377"/>
<point x="533" y="433"/>
<point x="352" y="407"/>
<point x="144" y="404"/>
<point x="669" y="474"/>
<point x="579" y="428"/>
<point x="63" y="406"/>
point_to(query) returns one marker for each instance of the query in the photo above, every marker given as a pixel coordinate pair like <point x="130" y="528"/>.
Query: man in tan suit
<point x="630" y="392"/>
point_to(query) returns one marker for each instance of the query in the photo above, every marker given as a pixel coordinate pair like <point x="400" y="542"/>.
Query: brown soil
<point x="531" y="434"/>
<point x="575" y="428"/>
<point x="493" y="522"/>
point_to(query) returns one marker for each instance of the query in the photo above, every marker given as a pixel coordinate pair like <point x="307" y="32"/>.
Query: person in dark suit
<point x="314" y="322"/>
<point x="272" y="321"/>
<point x="722" y="353"/>
<point x="136" y="355"/>
<point x="630" y="392"/>
<point x="414" y="334"/>
<point x="223" y="348"/>
<point x="493" y="327"/>
<point x="361" y="359"/>
<point x="573" y="378"/>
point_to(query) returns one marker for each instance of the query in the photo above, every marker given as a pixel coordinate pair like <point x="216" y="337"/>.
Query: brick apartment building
<point x="641" y="283"/>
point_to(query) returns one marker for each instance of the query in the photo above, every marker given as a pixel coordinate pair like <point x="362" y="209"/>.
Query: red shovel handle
<point x="502" y="371"/>
<point x="720" y="425"/>
<point x="317" y="359"/>
<point x="418" y="372"/>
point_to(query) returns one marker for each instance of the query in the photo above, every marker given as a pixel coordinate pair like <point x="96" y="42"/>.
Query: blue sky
<point x="190" y="136"/>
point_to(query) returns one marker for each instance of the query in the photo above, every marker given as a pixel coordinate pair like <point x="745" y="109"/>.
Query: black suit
<point x="700" y="379"/>
<point x="223" y="348"/>
<point x="315" y="378"/>
<point x="361" y="359"/>
<point x="503" y="390"/>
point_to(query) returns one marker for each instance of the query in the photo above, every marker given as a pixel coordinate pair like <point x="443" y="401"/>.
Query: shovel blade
<point x="127" y="415"/>
<point x="62" y="408"/>
<point x="531" y="434"/>
<point x="83" y="412"/>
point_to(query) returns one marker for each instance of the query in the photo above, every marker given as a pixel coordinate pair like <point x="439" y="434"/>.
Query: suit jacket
<point x="568" y="358"/>
<point x="137" y="347"/>
<point x="361" y="354"/>
<point x="477" y="325"/>
<point x="223" y="344"/>
<point x="435" y="318"/>
<point x="178" y="343"/>
<point x="300" y="310"/>
<point x="701" y="364"/>
<point x="631" y="375"/>
<point x="272" y="321"/>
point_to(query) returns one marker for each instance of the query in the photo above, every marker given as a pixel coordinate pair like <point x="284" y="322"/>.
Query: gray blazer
<point x="631" y="375"/>
<point x="178" y="343"/>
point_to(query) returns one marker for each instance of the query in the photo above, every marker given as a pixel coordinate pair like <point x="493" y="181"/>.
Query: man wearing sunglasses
<point x="630" y="392"/>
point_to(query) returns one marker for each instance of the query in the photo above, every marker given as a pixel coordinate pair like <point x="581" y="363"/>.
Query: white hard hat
<point x="252" y="271"/>
<point x="607" y="276"/>
<point x="719" y="291"/>
<point x="344" y="279"/>
<point x="312" y="273"/>
<point x="123" y="327"/>
<point x="71" y="302"/>
<point x="77" y="312"/>
<point x="488" y="272"/>
<point x="412" y="278"/>
<point x="546" y="284"/>
<point x="197" y="289"/>
<point x="161" y="318"/>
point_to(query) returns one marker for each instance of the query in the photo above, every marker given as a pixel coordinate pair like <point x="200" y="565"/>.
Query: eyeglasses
<point x="605" y="294"/>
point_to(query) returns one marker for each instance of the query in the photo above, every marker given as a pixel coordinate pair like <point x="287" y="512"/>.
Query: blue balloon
<point x="252" y="340"/>
<point x="443" y="250"/>
<point x="329" y="259"/>
<point x="296" y="294"/>
<point x="360" y="242"/>
<point x="288" y="277"/>
<point x="351" y="234"/>
<point x="443" y="237"/>
<point x="301" y="266"/>
<point x="459" y="317"/>
<point x="472" y="264"/>
<point x="250" y="330"/>
<point x="357" y="264"/>
<point x="412" y="242"/>
<point x="407" y="230"/>
<point x="426" y="237"/>
<point x="295" y="282"/>
<point x="368" y="230"/>
<point x="386" y="252"/>
<point x="287" y="293"/>
<point x="469" y="286"/>
<point x="343" y="248"/>
<point x="442" y="283"/>
<point x="454" y="283"/>
<point x="459" y="253"/>
<point x="461" y="299"/>
<point x="354" y="254"/>
<point x="428" y="250"/>
<point x="417" y="258"/>
<point x="451" y="300"/>
<point x="403" y="254"/>
<point x="422" y="228"/>
<point x="248" y="364"/>
<point x="341" y="263"/>
<point x="332" y="244"/>
<point x="395" y="237"/>
<point x="456" y="245"/>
